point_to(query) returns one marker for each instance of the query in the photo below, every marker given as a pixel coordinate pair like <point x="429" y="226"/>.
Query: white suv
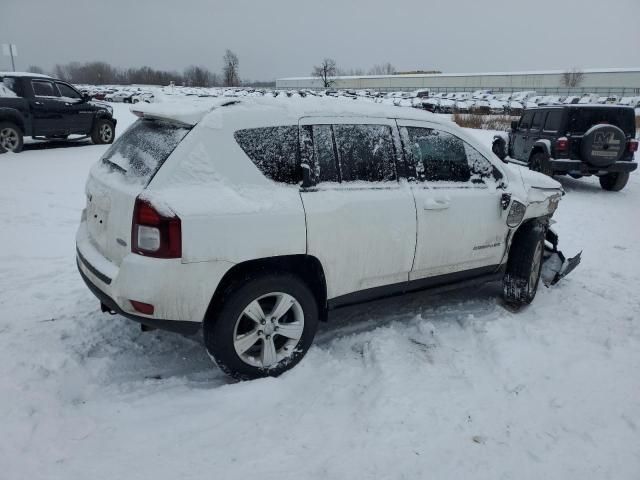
<point x="253" y="218"/>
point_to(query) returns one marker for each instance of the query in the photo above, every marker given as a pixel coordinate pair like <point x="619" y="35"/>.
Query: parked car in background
<point x="578" y="140"/>
<point x="168" y="234"/>
<point x="45" y="108"/>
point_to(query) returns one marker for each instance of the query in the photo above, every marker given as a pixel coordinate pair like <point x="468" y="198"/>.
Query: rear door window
<point x="140" y="152"/>
<point x="44" y="88"/>
<point x="365" y="152"/>
<point x="274" y="150"/>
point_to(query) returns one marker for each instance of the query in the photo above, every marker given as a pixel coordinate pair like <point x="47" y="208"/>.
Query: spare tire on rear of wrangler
<point x="603" y="145"/>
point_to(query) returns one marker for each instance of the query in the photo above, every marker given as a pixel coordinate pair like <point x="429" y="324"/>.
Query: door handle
<point x="67" y="104"/>
<point x="38" y="103"/>
<point x="436" y="204"/>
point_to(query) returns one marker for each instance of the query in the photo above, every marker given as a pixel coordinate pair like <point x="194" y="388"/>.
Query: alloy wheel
<point x="9" y="139"/>
<point x="268" y="330"/>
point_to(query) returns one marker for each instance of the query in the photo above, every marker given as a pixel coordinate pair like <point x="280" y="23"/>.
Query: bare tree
<point x="197" y="76"/>
<point x="325" y="71"/>
<point x="572" y="78"/>
<point x="383" y="69"/>
<point x="230" y="73"/>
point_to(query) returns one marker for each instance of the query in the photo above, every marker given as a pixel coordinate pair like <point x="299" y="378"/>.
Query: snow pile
<point x="444" y="387"/>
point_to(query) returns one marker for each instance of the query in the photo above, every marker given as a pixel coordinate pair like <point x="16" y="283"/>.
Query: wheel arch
<point x="541" y="146"/>
<point x="13" y="116"/>
<point x="307" y="267"/>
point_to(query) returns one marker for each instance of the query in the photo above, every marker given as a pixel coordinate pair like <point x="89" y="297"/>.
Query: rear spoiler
<point x="183" y="112"/>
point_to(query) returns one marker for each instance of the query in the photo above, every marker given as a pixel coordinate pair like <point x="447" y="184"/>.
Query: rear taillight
<point x="562" y="145"/>
<point x="632" y="146"/>
<point x="154" y="234"/>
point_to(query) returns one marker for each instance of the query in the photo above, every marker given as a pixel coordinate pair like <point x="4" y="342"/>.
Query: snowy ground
<point x="444" y="387"/>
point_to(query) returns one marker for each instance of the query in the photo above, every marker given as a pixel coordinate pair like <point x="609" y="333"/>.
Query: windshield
<point x="143" y="148"/>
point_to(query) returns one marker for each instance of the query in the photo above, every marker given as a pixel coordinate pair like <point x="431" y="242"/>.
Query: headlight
<point x="516" y="213"/>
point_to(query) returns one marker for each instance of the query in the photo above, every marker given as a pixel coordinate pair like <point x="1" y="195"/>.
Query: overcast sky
<point x="279" y="38"/>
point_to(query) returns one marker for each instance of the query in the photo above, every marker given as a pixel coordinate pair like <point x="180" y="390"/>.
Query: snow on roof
<point x="529" y="72"/>
<point x="23" y="74"/>
<point x="275" y="110"/>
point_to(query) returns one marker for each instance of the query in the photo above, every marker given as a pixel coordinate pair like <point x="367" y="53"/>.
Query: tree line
<point x="102" y="73"/>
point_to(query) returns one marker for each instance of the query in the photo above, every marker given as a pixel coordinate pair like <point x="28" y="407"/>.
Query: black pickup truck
<point x="44" y="108"/>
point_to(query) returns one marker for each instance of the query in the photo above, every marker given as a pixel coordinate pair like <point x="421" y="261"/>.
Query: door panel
<point x="49" y="112"/>
<point x="363" y="232"/>
<point x="460" y="221"/>
<point x="77" y="116"/>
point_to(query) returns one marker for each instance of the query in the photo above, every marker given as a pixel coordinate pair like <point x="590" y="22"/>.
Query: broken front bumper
<point x="555" y="265"/>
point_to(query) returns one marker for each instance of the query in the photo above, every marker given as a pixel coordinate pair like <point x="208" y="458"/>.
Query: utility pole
<point x="10" y="50"/>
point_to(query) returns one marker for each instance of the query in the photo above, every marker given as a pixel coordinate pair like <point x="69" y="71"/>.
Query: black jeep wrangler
<point x="578" y="140"/>
<point x="44" y="108"/>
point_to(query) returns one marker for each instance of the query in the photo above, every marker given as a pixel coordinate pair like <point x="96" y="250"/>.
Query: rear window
<point x="582" y="119"/>
<point x="143" y="148"/>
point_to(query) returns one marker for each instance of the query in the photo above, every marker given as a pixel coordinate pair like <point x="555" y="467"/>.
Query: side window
<point x="324" y="154"/>
<point x="437" y="155"/>
<point x="552" y="123"/>
<point x="366" y="152"/>
<point x="480" y="166"/>
<point x="10" y="87"/>
<point x="537" y="120"/>
<point x="525" y="121"/>
<point x="274" y="150"/>
<point x="67" y="91"/>
<point x="44" y="88"/>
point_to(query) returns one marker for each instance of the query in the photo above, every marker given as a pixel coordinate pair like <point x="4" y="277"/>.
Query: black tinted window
<point x="67" y="91"/>
<point x="552" y="123"/>
<point x="274" y="150"/>
<point x="537" y="120"/>
<point x="365" y="152"/>
<point x="437" y="155"/>
<point x="143" y="148"/>
<point x="582" y="119"/>
<point x="525" y="121"/>
<point x="44" y="89"/>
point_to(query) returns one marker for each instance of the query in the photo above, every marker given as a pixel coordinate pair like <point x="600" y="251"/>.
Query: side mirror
<point x="514" y="125"/>
<point x="306" y="176"/>
<point x="86" y="97"/>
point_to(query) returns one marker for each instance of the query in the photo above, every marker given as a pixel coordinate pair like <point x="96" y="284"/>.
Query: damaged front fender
<point x="555" y="265"/>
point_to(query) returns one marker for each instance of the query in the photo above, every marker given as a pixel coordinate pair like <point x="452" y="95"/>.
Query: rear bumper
<point x="180" y="292"/>
<point x="109" y="304"/>
<point x="582" y="168"/>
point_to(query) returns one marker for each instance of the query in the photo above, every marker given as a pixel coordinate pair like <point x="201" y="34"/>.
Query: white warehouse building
<point x="615" y="81"/>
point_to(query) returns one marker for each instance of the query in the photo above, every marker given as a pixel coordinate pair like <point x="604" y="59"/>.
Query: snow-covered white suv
<point x="253" y="218"/>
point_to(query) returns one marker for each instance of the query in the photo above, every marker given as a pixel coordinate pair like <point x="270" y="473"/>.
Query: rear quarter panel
<point x="228" y="209"/>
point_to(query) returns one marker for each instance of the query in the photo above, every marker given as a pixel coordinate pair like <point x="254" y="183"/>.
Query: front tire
<point x="264" y="326"/>
<point x="520" y="282"/>
<point x="103" y="132"/>
<point x="614" y="182"/>
<point x="11" y="138"/>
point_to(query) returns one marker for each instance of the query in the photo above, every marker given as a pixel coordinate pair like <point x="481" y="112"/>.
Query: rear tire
<point x="614" y="182"/>
<point x="246" y="336"/>
<point x="103" y="131"/>
<point x="520" y="282"/>
<point x="540" y="163"/>
<point x="11" y="138"/>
